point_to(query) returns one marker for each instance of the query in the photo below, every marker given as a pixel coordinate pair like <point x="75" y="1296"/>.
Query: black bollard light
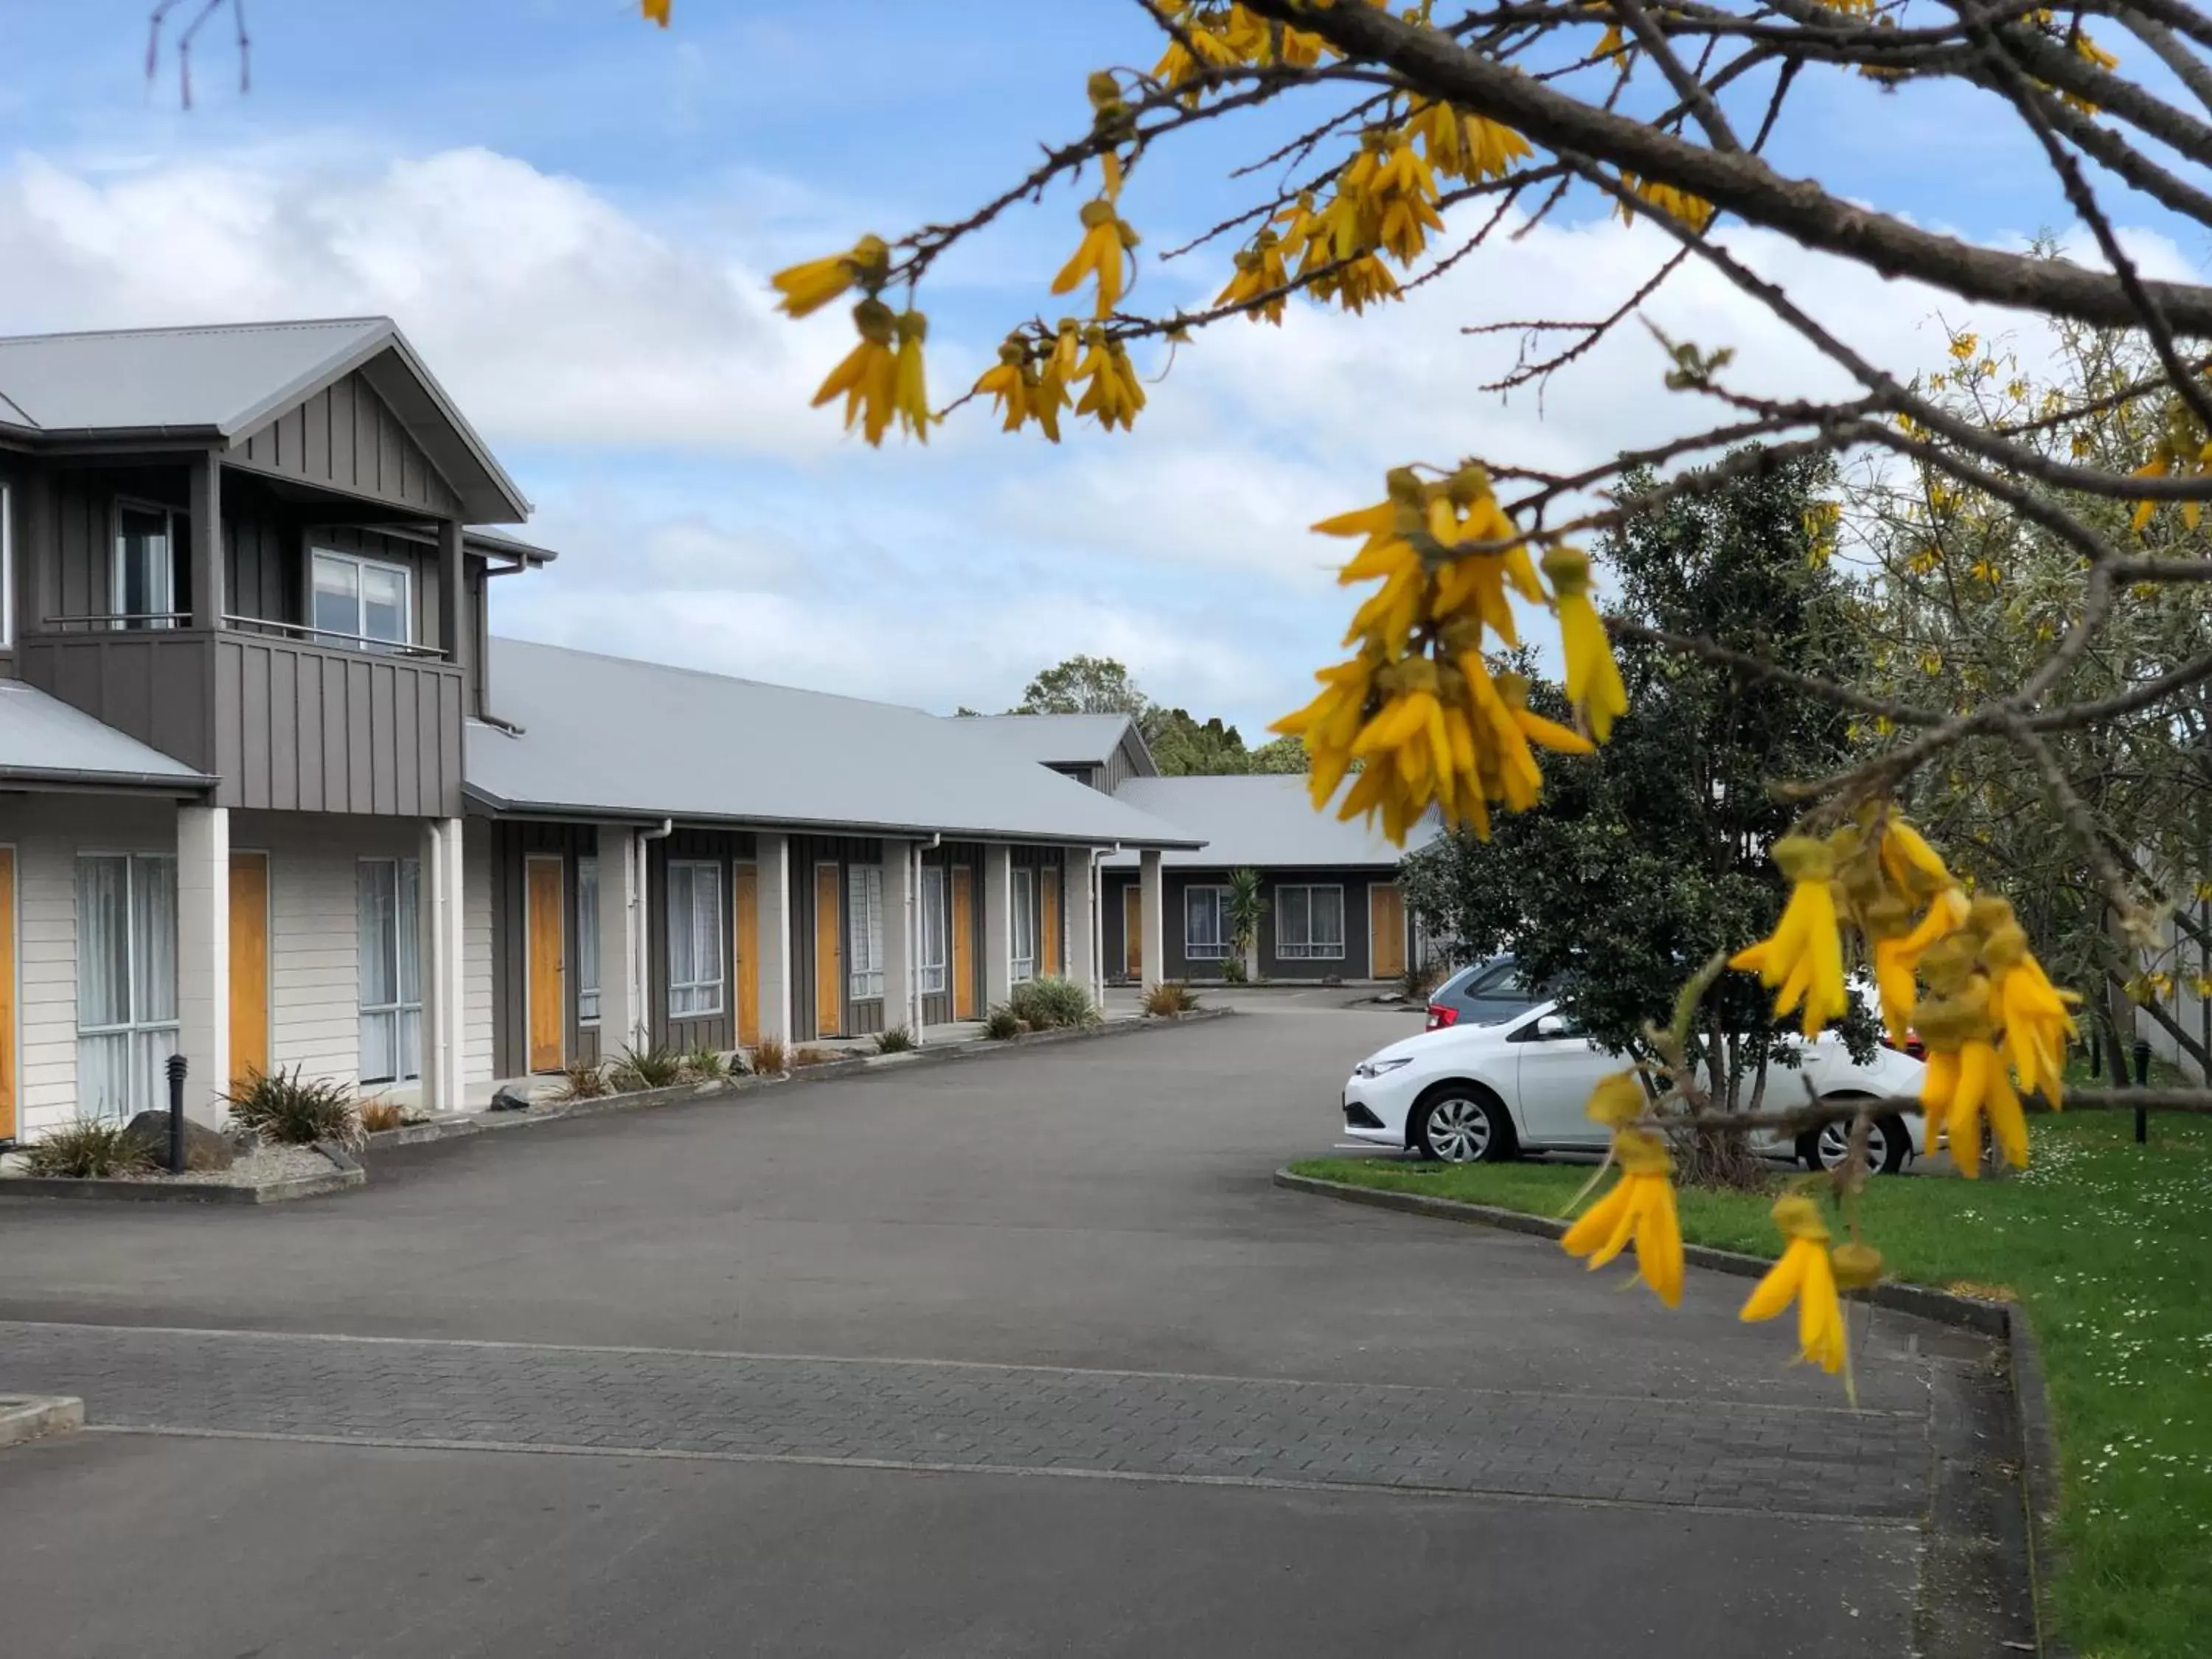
<point x="176" y="1115"/>
<point x="2143" y="1081"/>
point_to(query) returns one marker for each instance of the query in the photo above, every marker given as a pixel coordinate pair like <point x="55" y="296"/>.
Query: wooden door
<point x="249" y="966"/>
<point x="745" y="947"/>
<point x="544" y="949"/>
<point x="1048" y="904"/>
<point x="6" y="993"/>
<point x="964" y="943"/>
<point x="1133" y="929"/>
<point x="1386" y="930"/>
<point x="829" y="950"/>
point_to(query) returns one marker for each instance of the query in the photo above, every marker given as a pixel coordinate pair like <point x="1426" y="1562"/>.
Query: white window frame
<point x="1308" y="949"/>
<point x="587" y="939"/>
<point x="864" y="932"/>
<point x="167" y="615"/>
<point x="6" y="565"/>
<point x="1198" y="949"/>
<point x="406" y="942"/>
<point x="1023" y="966"/>
<point x="934" y="954"/>
<point x="694" y="990"/>
<point x="359" y="639"/>
<point x="134" y="1028"/>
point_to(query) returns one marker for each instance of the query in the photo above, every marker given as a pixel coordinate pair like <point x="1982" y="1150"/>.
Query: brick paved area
<point x="1731" y="1456"/>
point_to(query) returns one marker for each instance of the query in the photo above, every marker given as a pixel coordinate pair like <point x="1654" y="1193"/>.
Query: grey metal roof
<point x="608" y="736"/>
<point x="1261" y="821"/>
<point x="44" y="740"/>
<point x="227" y="381"/>
<point x="1055" y="739"/>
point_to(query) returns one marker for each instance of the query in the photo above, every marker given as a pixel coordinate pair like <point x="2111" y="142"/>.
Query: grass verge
<point x="2108" y="1246"/>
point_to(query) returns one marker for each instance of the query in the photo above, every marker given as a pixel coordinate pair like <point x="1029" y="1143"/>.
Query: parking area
<point x="1014" y="1355"/>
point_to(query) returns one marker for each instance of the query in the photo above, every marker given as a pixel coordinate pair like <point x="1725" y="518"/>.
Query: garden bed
<point x="2105" y="1247"/>
<point x="265" y="1175"/>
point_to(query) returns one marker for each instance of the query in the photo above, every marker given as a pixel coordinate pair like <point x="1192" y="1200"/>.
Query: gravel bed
<point x="263" y="1167"/>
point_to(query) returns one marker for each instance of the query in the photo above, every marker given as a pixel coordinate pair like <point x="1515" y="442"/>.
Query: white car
<point x="1468" y="1093"/>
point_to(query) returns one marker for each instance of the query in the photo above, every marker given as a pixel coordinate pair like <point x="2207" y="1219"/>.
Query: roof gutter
<point x="605" y="812"/>
<point x="191" y="783"/>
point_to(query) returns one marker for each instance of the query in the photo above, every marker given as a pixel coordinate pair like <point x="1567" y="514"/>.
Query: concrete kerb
<point x="344" y="1173"/>
<point x="25" y="1417"/>
<point x="474" y="1123"/>
<point x="2038" y="1459"/>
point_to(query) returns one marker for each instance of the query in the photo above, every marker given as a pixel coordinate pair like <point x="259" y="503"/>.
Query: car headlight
<point x="1377" y="1067"/>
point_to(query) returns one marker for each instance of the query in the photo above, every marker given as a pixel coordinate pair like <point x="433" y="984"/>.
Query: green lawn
<point x="2109" y="1247"/>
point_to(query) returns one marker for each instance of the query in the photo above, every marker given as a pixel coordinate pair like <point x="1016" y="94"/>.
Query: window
<point x="934" y="930"/>
<point x="1025" y="965"/>
<point x="587" y="939"/>
<point x="694" y="940"/>
<point x="363" y="600"/>
<point x="1309" y="923"/>
<point x="864" y="920"/>
<point x="1205" y="924"/>
<point x="390" y="892"/>
<point x="145" y="590"/>
<point x="126" y="982"/>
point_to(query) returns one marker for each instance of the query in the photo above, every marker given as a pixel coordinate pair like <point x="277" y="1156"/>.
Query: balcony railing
<point x="339" y="637"/>
<point x="107" y="621"/>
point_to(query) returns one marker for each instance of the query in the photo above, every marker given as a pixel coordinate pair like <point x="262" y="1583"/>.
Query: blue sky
<point x="574" y="214"/>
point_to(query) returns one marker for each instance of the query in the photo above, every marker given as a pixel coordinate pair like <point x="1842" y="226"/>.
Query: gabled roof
<point x="1063" y="739"/>
<point x="227" y="381"/>
<point x="44" y="740"/>
<point x="1265" y="820"/>
<point x="607" y="736"/>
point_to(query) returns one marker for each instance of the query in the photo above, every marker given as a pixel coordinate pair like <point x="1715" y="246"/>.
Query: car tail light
<point x="1441" y="1016"/>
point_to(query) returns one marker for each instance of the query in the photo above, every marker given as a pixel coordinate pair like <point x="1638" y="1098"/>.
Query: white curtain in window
<point x="388" y="893"/>
<point x="126" y="911"/>
<point x="863" y="913"/>
<point x="933" y="929"/>
<point x="1025" y="966"/>
<point x="694" y="940"/>
<point x="1309" y="922"/>
<point x="1206" y="923"/>
<point x="587" y="939"/>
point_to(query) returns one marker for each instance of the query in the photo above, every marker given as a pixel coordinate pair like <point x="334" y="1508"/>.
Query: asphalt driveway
<point x="1013" y="1356"/>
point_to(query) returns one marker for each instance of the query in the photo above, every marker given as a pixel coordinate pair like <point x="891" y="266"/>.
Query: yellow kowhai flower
<point x="2200" y="987"/>
<point x="1963" y="346"/>
<point x="654" y="11"/>
<point x="1385" y="196"/>
<point x="867" y="378"/>
<point x="1593" y="677"/>
<point x="807" y="287"/>
<point x="1259" y="270"/>
<point x="1358" y="285"/>
<point x="1105" y="254"/>
<point x="910" y="389"/>
<point x="1113" y="392"/>
<point x="1898" y="944"/>
<point x="1965" y="1078"/>
<point x="1805" y="1274"/>
<point x="1678" y="204"/>
<point x="1216" y="45"/>
<point x="1931" y="661"/>
<point x="2033" y="1013"/>
<point x="1639" y="1210"/>
<point x="1985" y="571"/>
<point x="1802" y="960"/>
<point x="1912" y="865"/>
<point x="1011" y="382"/>
<point x="1463" y="145"/>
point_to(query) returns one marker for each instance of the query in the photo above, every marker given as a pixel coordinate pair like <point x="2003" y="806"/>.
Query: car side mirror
<point x="1553" y="1025"/>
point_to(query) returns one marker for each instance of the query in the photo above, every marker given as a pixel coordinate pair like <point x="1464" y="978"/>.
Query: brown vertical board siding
<point x="249" y="965"/>
<point x="346" y="437"/>
<point x="253" y="733"/>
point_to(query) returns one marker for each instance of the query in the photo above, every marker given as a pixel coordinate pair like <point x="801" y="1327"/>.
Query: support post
<point x="204" y="954"/>
<point x="438" y="923"/>
<point x="205" y="503"/>
<point x="177" y="1070"/>
<point x="772" y="855"/>
<point x="899" y="913"/>
<point x="998" y="925"/>
<point x="1152" y="931"/>
<point x="1079" y="883"/>
<point x="622" y="912"/>
<point x="456" y="629"/>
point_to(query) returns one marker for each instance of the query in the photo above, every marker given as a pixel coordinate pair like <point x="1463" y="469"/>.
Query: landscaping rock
<point x="204" y="1148"/>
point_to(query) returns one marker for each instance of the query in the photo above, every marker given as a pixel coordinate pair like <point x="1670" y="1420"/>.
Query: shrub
<point x="769" y="1056"/>
<point x="1168" y="997"/>
<point x="291" y="1111"/>
<point x="583" y="1079"/>
<point x="381" y="1114"/>
<point x="88" y="1149"/>
<point x="896" y="1041"/>
<point x="1232" y="971"/>
<point x="652" y="1068"/>
<point x="1417" y="982"/>
<point x="1002" y="1024"/>
<point x="1051" y="1002"/>
<point x="811" y="1056"/>
<point x="705" y="1065"/>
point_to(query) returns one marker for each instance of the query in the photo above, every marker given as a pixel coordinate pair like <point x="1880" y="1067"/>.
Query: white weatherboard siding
<point x="47" y="833"/>
<point x="476" y="952"/>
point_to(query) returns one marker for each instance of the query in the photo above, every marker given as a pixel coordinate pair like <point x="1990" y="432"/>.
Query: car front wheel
<point x="1454" y="1125"/>
<point x="1889" y="1144"/>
